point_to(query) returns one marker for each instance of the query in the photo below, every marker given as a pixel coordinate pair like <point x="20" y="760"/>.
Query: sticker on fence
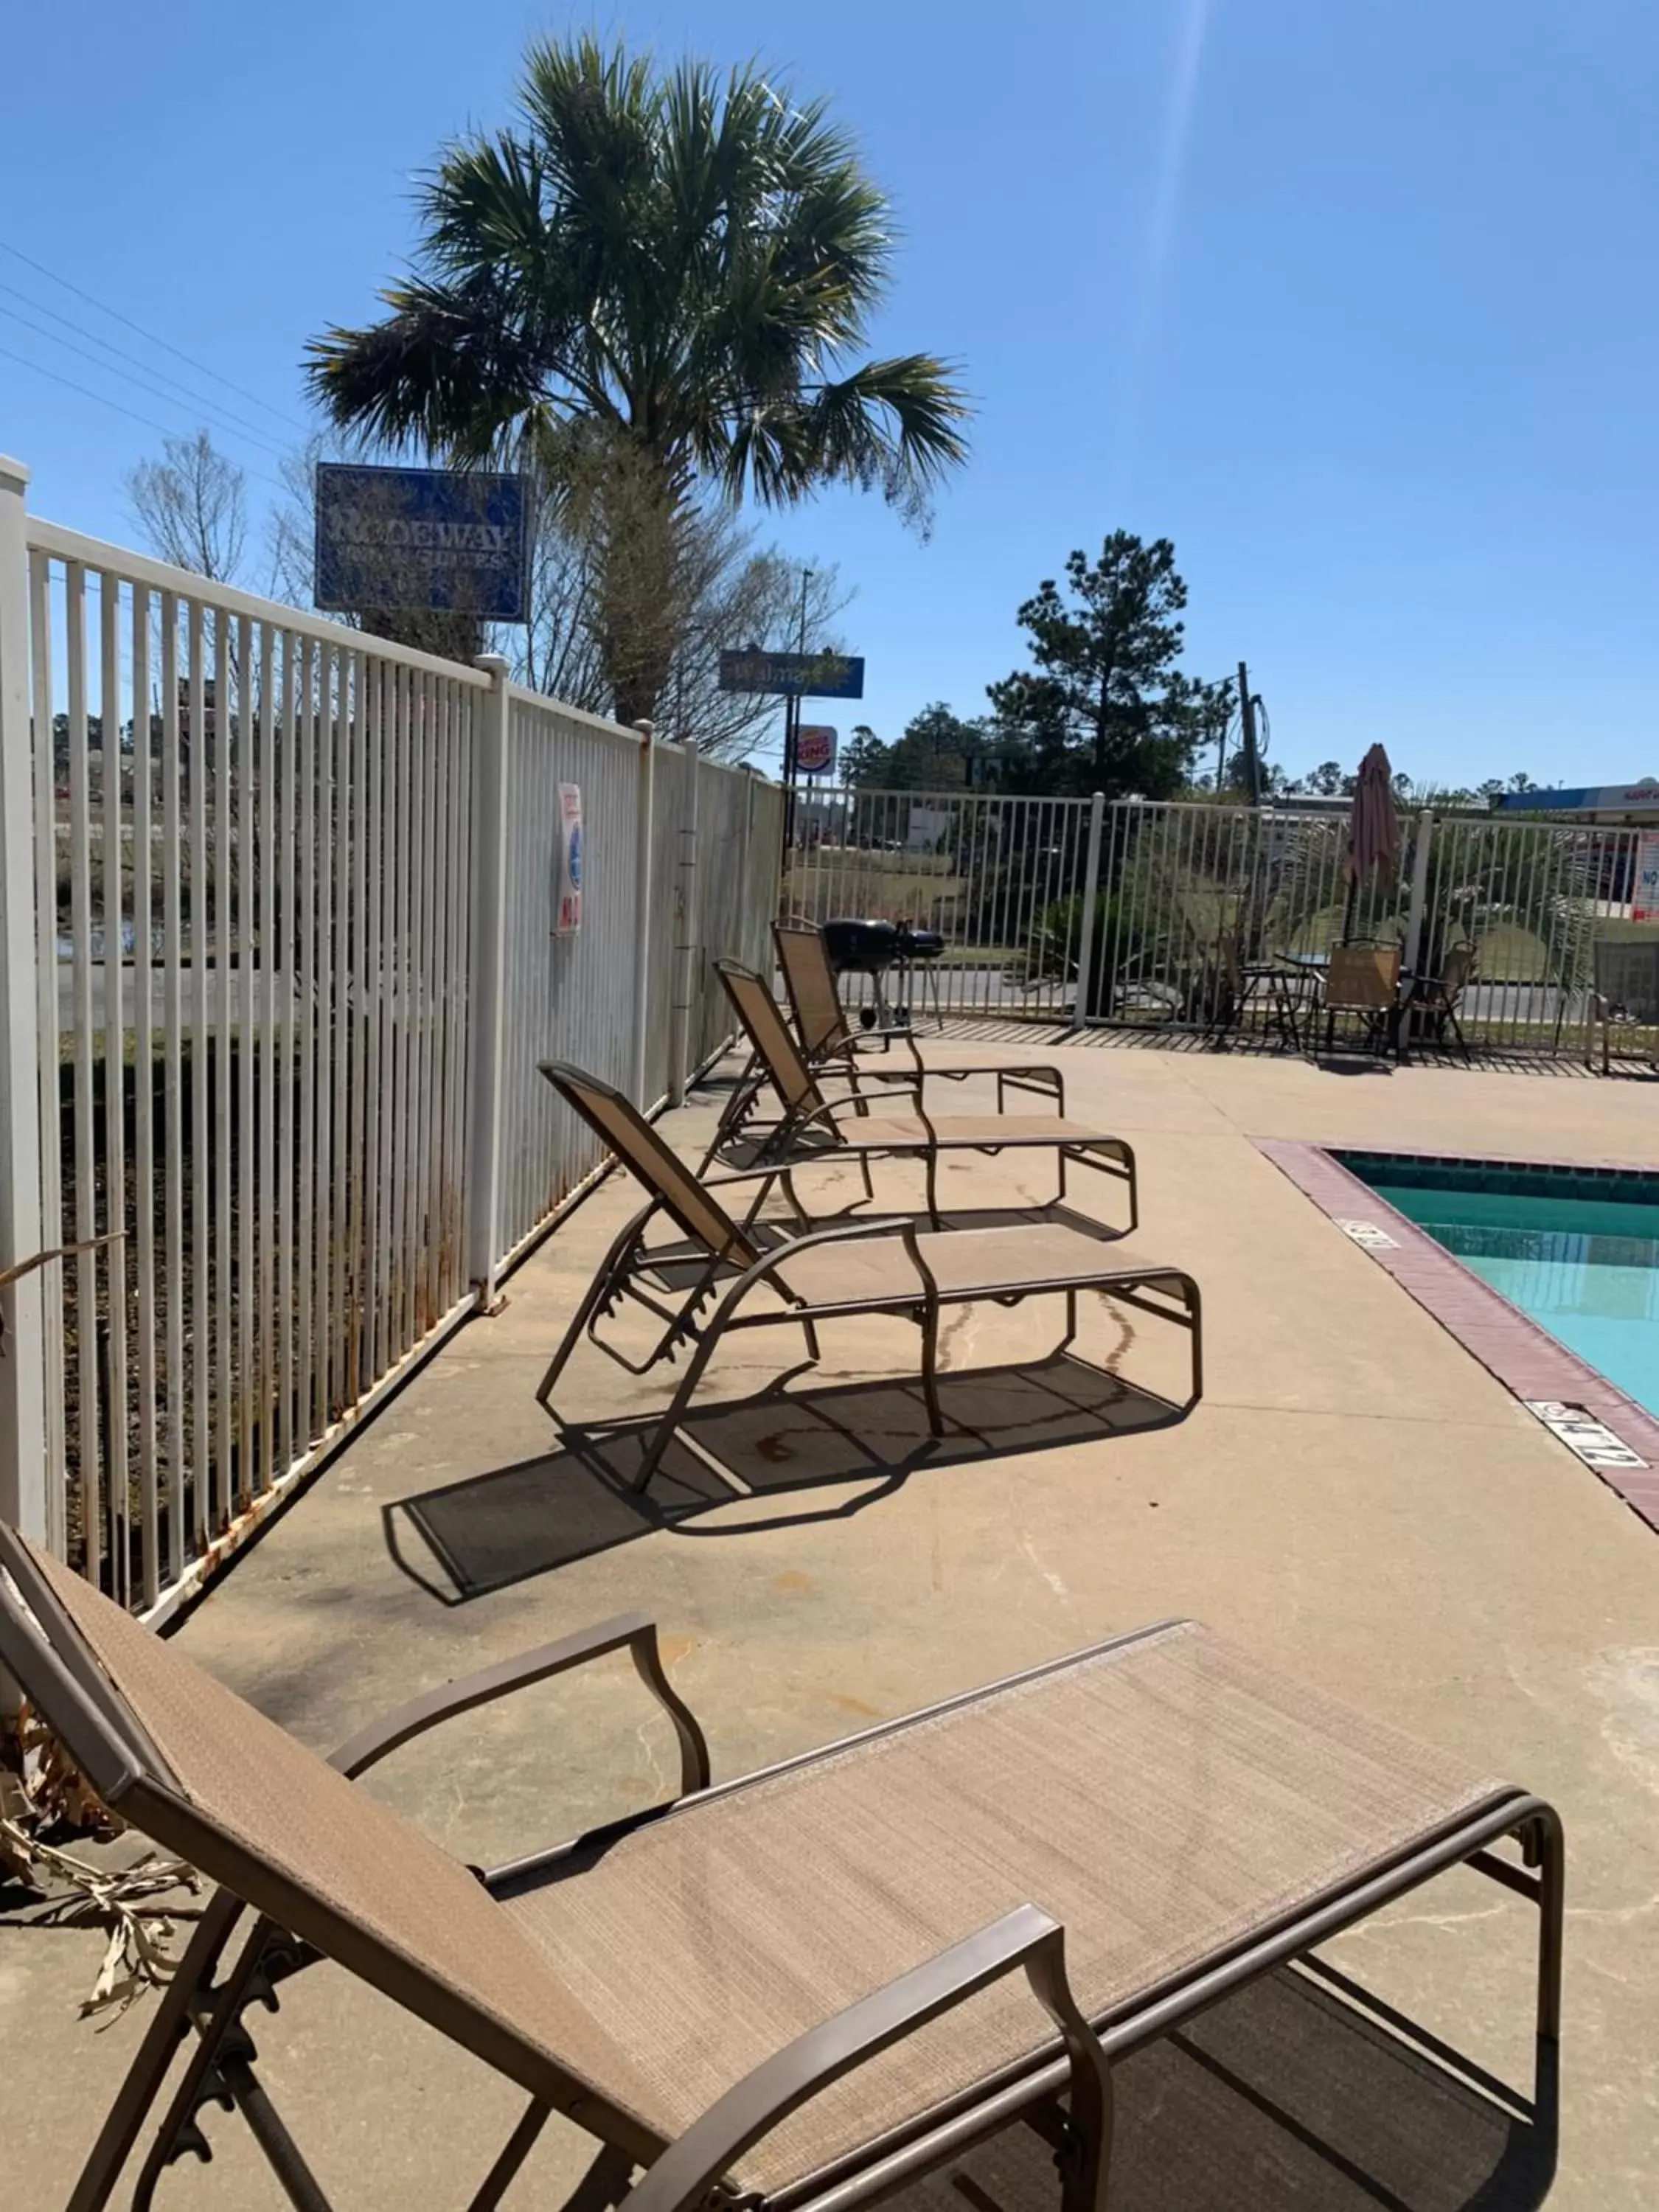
<point x="1581" y="1432"/>
<point x="570" y="862"/>
<point x="1368" y="1233"/>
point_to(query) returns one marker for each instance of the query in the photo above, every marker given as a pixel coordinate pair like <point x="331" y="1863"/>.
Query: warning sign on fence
<point x="569" y="885"/>
<point x="1644" y="892"/>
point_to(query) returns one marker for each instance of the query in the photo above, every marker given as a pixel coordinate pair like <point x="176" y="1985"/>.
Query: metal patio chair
<point x="814" y="1128"/>
<point x="1625" y="998"/>
<point x="1187" y="1820"/>
<point x="827" y="1040"/>
<point x="1364" y="980"/>
<point x="1432" y="1009"/>
<point x="824" y="1272"/>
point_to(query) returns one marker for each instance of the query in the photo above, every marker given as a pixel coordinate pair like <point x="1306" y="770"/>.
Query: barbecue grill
<point x="880" y="950"/>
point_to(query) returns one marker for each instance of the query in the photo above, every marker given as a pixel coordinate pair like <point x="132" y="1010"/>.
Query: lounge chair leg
<point x="220" y="2069"/>
<point x="299" y="2185"/>
<point x="514" y="2152"/>
<point x="670" y="1421"/>
<point x="149" y="2068"/>
<point x="1085" y="2161"/>
<point x="1552" y="1874"/>
<point x="809" y="1330"/>
<point x="1070" y="1337"/>
<point x="590" y="1301"/>
<point x="605" y="2184"/>
<point x="930" y="1367"/>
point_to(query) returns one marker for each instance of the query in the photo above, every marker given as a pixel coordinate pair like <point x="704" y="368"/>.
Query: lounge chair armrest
<point x="689" y="2168"/>
<point x="634" y="1631"/>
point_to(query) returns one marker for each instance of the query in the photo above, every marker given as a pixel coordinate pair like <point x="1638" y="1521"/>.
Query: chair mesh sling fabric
<point x="1186" y="1818"/>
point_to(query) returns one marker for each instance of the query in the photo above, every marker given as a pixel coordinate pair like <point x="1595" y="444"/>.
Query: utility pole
<point x="1246" y="715"/>
<point x="1222" y="723"/>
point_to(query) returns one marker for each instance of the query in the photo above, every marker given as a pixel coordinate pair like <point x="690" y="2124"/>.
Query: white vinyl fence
<point x="278" y="963"/>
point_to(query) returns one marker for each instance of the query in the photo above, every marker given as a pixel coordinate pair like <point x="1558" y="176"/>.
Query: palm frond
<point x="692" y="256"/>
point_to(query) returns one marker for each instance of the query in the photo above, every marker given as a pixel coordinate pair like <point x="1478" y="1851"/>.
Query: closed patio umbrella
<point x="1373" y="848"/>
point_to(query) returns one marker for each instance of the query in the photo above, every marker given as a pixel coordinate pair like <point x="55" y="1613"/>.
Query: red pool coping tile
<point x="1525" y="1359"/>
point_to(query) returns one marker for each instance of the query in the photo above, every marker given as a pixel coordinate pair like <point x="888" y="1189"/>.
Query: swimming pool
<point x="1576" y="1249"/>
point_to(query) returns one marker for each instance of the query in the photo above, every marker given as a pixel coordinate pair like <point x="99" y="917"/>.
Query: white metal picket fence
<point x="1001" y="879"/>
<point x="1528" y="900"/>
<point x="1183" y="896"/>
<point x="277" y="968"/>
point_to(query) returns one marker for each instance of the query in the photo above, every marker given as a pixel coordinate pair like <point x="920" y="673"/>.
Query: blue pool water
<point x="1579" y="1252"/>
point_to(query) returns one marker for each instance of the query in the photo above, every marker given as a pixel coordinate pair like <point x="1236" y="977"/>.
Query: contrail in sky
<point x="1160" y="233"/>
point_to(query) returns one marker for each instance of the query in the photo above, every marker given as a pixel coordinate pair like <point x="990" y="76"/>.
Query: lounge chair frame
<point x="288" y="1929"/>
<point x="734" y="1259"/>
<point x="828" y="1039"/>
<point x="813" y="1127"/>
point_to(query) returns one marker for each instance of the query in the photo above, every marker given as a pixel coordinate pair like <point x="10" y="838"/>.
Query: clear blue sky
<point x="1355" y="303"/>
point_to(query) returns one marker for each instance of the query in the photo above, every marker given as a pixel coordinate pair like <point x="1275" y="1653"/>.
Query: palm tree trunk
<point x="642" y="594"/>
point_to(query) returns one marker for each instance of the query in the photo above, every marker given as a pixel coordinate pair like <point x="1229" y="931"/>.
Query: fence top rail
<point x="61" y="545"/>
<point x="622" y="733"/>
<point x="58" y="544"/>
<point x="520" y="695"/>
<point x="816" y="793"/>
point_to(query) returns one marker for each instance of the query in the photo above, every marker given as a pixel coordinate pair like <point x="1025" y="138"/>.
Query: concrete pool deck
<point x="1357" y="1498"/>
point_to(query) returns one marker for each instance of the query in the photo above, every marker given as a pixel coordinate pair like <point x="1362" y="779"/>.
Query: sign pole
<point x="791" y="720"/>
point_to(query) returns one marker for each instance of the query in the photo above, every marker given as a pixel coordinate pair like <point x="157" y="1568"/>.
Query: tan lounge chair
<point x="813" y="1126"/>
<point x="828" y="1039"/>
<point x="800" y="1988"/>
<point x="869" y="1267"/>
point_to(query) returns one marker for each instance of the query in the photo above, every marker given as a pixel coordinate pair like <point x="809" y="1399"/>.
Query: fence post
<point x="1086" y="951"/>
<point x="1419" y="890"/>
<point x="646" y="786"/>
<point x="685" y="949"/>
<point x="486" y="962"/>
<point x="22" y="1366"/>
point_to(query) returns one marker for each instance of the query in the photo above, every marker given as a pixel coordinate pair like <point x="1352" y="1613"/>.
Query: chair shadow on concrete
<point x="1285" y="2096"/>
<point x="509" y="1524"/>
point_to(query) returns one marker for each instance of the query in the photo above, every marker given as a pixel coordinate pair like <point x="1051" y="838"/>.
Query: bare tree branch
<point x="192" y="507"/>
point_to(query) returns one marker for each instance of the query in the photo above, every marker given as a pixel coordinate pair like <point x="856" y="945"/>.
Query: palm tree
<point x="655" y="290"/>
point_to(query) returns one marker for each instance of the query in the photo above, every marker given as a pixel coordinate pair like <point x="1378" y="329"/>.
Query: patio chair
<point x="813" y="1126"/>
<point x="1364" y="980"/>
<point x="1432" y="1008"/>
<point x="1624" y="998"/>
<point x="828" y="1039"/>
<point x="1188" y="1820"/>
<point x="824" y="1272"/>
<point x="1236" y="984"/>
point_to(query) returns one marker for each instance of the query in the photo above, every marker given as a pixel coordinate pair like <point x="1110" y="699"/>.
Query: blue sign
<point x="796" y="675"/>
<point x="423" y="541"/>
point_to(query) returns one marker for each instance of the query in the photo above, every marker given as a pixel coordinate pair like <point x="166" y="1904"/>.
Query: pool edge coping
<point x="1521" y="1354"/>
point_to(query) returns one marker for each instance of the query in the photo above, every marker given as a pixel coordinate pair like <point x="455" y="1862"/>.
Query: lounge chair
<point x="824" y="1272"/>
<point x="828" y="1039"/>
<point x="813" y="1126"/>
<point x="800" y="1988"/>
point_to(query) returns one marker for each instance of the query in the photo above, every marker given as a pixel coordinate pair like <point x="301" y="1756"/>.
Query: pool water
<point x="1579" y="1252"/>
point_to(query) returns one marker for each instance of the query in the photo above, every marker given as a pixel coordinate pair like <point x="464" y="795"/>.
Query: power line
<point x="178" y="352"/>
<point x="147" y="378"/>
<point x="86" y="392"/>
